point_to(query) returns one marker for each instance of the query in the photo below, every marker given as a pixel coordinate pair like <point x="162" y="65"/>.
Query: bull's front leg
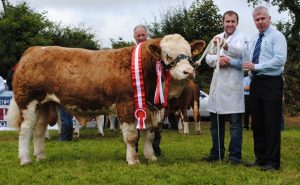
<point x="148" y="148"/>
<point x="130" y="136"/>
<point x="100" y="124"/>
<point x="112" y="120"/>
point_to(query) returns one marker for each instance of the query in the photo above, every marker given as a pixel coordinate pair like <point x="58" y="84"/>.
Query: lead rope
<point x="217" y="68"/>
<point x="211" y="48"/>
<point x="214" y="49"/>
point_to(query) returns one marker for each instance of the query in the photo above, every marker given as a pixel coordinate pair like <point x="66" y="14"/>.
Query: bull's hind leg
<point x="30" y="118"/>
<point x="148" y="148"/>
<point x="196" y="116"/>
<point x="38" y="136"/>
<point x="198" y="127"/>
<point x="130" y="137"/>
<point x="76" y="132"/>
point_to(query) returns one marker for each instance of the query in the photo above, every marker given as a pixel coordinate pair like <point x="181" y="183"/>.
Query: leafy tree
<point x="21" y="27"/>
<point x="200" y="21"/>
<point x="120" y="43"/>
<point x="66" y="36"/>
<point x="4" y="4"/>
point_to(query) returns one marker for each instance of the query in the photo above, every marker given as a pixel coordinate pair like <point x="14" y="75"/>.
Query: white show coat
<point x="226" y="95"/>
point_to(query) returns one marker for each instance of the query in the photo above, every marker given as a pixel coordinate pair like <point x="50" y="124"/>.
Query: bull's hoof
<point x="134" y="162"/>
<point x="152" y="158"/>
<point x="198" y="132"/>
<point x="102" y="135"/>
<point x="24" y="162"/>
<point x="75" y="135"/>
<point x="40" y="157"/>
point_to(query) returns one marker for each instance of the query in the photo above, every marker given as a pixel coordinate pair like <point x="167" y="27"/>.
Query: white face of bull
<point x="171" y="47"/>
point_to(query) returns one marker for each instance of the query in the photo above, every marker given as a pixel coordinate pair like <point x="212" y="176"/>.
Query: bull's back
<point x="71" y="73"/>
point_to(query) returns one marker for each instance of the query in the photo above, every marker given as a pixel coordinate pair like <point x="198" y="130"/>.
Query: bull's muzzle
<point x="190" y="73"/>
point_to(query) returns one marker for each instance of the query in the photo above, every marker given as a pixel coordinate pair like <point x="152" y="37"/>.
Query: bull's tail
<point x="13" y="115"/>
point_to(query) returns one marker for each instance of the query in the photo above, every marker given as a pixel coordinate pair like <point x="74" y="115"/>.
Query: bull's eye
<point x="168" y="58"/>
<point x="172" y="63"/>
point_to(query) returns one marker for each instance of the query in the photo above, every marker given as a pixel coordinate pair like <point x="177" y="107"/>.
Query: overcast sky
<point x="116" y="18"/>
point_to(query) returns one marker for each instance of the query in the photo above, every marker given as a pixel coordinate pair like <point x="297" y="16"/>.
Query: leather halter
<point x="176" y="60"/>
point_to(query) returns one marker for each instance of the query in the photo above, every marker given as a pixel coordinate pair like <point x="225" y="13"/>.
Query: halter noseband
<point x="176" y="60"/>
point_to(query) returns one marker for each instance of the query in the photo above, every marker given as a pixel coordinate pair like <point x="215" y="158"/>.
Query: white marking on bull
<point x="51" y="97"/>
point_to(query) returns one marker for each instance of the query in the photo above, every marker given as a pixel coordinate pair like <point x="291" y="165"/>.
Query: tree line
<point x="22" y="27"/>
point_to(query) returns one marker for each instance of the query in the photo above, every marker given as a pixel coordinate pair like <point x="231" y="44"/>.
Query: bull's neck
<point x="175" y="88"/>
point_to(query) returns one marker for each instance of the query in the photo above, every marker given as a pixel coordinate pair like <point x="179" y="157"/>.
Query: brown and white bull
<point x="87" y="83"/>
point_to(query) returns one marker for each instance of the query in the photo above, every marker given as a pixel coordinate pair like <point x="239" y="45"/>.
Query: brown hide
<point x="85" y="79"/>
<point x="187" y="99"/>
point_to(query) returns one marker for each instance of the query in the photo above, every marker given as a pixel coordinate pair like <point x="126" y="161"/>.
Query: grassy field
<point x="101" y="160"/>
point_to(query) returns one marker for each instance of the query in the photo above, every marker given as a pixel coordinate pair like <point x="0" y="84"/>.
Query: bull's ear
<point x="197" y="47"/>
<point x="154" y="50"/>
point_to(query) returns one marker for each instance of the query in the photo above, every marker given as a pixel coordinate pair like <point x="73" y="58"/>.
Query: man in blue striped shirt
<point x="269" y="52"/>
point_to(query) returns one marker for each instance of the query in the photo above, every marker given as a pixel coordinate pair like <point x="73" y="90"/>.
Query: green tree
<point x="200" y="21"/>
<point x="22" y="27"/>
<point x="4" y="4"/>
<point x="80" y="37"/>
<point x="120" y="43"/>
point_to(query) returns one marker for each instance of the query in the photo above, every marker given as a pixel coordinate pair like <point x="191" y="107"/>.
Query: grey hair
<point x="140" y="26"/>
<point x="261" y="9"/>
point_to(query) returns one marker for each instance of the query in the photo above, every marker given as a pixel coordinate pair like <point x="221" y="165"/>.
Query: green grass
<point x="101" y="160"/>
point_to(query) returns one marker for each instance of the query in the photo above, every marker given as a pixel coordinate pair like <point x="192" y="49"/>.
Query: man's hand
<point x="249" y="66"/>
<point x="221" y="41"/>
<point x="224" y="61"/>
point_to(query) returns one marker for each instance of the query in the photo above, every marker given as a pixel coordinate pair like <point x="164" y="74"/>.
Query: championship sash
<point x="138" y="86"/>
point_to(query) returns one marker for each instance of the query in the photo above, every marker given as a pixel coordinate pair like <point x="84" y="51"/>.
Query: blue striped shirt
<point x="273" y="52"/>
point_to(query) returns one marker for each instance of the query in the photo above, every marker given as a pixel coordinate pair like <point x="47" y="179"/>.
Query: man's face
<point x="140" y="35"/>
<point x="230" y="23"/>
<point x="262" y="21"/>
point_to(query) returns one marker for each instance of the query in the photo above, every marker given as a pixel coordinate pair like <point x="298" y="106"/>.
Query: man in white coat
<point x="226" y="96"/>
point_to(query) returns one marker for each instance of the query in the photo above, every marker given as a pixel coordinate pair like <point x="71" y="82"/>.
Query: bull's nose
<point x="189" y="71"/>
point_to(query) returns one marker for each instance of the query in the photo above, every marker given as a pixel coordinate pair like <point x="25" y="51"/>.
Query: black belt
<point x="262" y="76"/>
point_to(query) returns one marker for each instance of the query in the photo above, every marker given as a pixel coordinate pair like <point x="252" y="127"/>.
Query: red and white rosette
<point x="159" y="93"/>
<point x="161" y="96"/>
<point x="138" y="86"/>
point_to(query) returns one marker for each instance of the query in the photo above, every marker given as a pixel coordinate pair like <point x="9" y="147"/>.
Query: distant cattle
<point x="100" y="123"/>
<point x="178" y="107"/>
<point x="87" y="83"/>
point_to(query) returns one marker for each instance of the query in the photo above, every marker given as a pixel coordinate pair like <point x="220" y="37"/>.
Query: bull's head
<point x="176" y="55"/>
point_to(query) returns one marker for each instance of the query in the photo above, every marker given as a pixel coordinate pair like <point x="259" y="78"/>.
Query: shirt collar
<point x="230" y="37"/>
<point x="267" y="32"/>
